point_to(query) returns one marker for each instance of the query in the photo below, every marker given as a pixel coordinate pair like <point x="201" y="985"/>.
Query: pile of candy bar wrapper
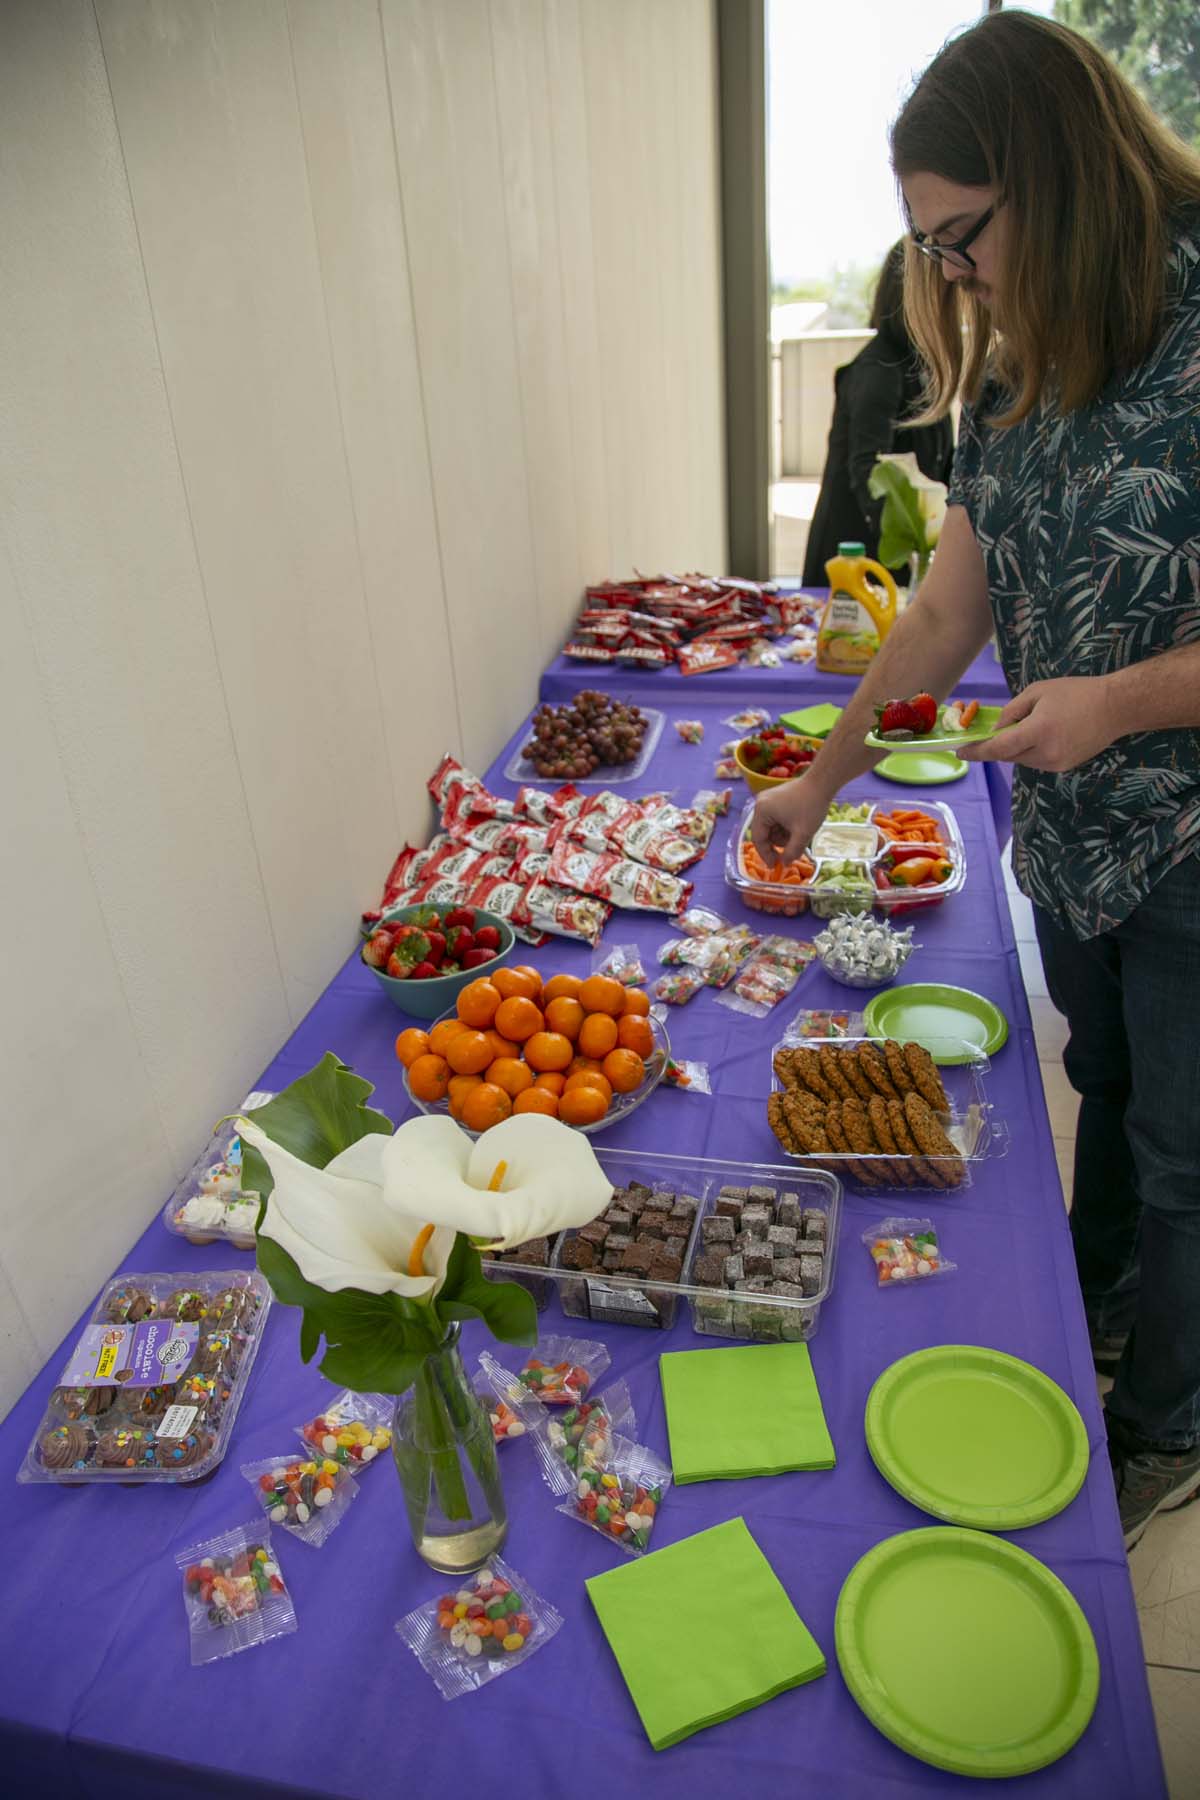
<point x="549" y="862"/>
<point x="699" y="622"/>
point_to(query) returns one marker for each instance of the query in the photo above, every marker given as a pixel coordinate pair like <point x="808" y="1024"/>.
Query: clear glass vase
<point x="446" y="1458"/>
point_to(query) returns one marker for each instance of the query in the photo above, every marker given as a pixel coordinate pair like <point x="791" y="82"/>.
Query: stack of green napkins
<point x="751" y="1409"/>
<point x="657" y="1614"/>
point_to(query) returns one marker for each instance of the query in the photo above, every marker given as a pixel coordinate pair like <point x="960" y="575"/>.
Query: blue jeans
<point x="1132" y="1000"/>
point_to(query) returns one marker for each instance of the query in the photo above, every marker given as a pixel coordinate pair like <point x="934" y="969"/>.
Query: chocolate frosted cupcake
<point x="66" y="1447"/>
<point x="232" y="1307"/>
<point x="184" y="1452"/>
<point x="209" y="1393"/>
<point x="84" y="1402"/>
<point x="126" y="1447"/>
<point x="149" y="1403"/>
<point x="218" y="1353"/>
<point x="187" y="1305"/>
<point x="128" y="1306"/>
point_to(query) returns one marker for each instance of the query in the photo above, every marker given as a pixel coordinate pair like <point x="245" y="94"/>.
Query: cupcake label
<point x="177" y="1421"/>
<point x="150" y="1354"/>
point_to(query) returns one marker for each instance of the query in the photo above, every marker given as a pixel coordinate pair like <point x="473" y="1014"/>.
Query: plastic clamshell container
<point x="226" y="1341"/>
<point x="209" y="1205"/>
<point x="825" y="899"/>
<point x="519" y="768"/>
<point x="536" y="1278"/>
<point x="605" y="1297"/>
<point x="621" y="1105"/>
<point x="971" y="1125"/>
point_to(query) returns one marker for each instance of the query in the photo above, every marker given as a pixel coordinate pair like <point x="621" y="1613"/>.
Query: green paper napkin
<point x="752" y="1409"/>
<point x="657" y="1614"/>
<point x="812" y="721"/>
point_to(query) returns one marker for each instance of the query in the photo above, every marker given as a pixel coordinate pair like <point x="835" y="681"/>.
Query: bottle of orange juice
<point x="857" y="615"/>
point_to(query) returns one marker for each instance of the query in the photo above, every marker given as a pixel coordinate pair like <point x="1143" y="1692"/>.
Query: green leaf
<point x="318" y="1116"/>
<point x="902" y="526"/>
<point x="372" y="1341"/>
<point x="507" y="1309"/>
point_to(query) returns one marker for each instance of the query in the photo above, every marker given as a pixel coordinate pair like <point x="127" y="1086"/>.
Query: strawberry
<point x="475" y="959"/>
<point x="373" y="917"/>
<point x="487" y="938"/>
<point x="898" y="718"/>
<point x="377" y="949"/>
<point x="925" y="707"/>
<point x="459" y="915"/>
<point x="398" y="970"/>
<point x="458" y="941"/>
<point x="422" y="971"/>
<point x="437" y="947"/>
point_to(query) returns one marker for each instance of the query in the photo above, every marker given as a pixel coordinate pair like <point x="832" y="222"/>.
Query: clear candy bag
<point x="485" y="1628"/>
<point x="622" y="1499"/>
<point x="769" y="976"/>
<point x="234" y="1593"/>
<point x="561" y="1370"/>
<point x="307" y="1496"/>
<point x="906" y="1250"/>
<point x="623" y="962"/>
<point x="511" y="1406"/>
<point x="583" y="1436"/>
<point x="701" y="921"/>
<point x="693" y="1077"/>
<point x="355" y="1429"/>
<point x="712" y="800"/>
<point x="690" y="730"/>
<point x="747" y="719"/>
<point x="678" y="987"/>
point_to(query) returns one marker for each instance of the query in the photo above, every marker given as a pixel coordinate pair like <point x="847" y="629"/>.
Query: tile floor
<point x="1165" y="1566"/>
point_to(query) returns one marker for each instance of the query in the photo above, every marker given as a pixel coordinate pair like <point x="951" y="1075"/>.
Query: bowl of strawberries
<point x="769" y="758"/>
<point x="422" y="956"/>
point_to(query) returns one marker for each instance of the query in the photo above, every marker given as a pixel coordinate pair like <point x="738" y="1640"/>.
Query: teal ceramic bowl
<point x="429" y="999"/>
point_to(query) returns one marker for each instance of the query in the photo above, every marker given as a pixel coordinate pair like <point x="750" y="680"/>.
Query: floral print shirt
<point x="1089" y="526"/>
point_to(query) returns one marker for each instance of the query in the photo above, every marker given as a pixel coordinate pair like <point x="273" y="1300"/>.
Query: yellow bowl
<point x="758" y="784"/>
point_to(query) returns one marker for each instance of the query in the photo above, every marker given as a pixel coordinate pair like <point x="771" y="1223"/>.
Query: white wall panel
<point x="205" y="101"/>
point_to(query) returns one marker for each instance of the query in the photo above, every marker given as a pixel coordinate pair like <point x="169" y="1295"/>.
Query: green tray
<point x="922" y="768"/>
<point x="983" y="725"/>
<point x="976" y="1437"/>
<point x="954" y="1024"/>
<point x="966" y="1652"/>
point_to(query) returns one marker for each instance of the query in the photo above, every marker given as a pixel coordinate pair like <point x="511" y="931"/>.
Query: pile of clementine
<point x="563" y="1048"/>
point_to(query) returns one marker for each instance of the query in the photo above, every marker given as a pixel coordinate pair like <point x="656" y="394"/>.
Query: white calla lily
<point x="336" y="1225"/>
<point x="930" y="494"/>
<point x="545" y="1177"/>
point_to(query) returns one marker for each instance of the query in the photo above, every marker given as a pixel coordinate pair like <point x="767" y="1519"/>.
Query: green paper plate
<point x="954" y="1024"/>
<point x="812" y="721"/>
<point x="966" y="1652"/>
<point x="976" y="1437"/>
<point x="922" y="768"/>
<point x="982" y="726"/>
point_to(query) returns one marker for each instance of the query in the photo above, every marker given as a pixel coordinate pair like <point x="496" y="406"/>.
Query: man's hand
<point x="786" y="818"/>
<point x="1052" y="725"/>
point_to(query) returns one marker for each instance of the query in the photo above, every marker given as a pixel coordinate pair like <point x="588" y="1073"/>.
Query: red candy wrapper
<point x="704" y="655"/>
<point x="566" y="912"/>
<point x="589" y="653"/>
<point x="616" y="879"/>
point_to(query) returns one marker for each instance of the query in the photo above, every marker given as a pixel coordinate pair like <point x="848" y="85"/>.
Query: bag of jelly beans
<point x="234" y="1593"/>
<point x="511" y="1407"/>
<point x="307" y="1495"/>
<point x="622" y="1499"/>
<point x="623" y="962"/>
<point x="489" y="1625"/>
<point x="353" y="1430"/>
<point x="582" y="1437"/>
<point x="561" y="1370"/>
<point x="906" y="1250"/>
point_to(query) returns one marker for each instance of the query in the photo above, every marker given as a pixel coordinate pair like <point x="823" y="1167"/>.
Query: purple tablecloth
<point x="98" y="1698"/>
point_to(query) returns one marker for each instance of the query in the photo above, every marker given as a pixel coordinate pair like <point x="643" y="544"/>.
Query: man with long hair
<point x="1053" y="279"/>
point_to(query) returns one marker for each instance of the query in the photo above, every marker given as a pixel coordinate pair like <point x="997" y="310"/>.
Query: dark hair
<point x="887" y="307"/>
<point x="1086" y="177"/>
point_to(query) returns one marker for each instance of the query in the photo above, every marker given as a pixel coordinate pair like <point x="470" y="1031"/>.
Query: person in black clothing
<point x="882" y="386"/>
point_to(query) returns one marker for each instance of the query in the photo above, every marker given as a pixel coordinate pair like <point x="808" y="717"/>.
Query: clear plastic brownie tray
<point x="210" y="1205"/>
<point x="153" y="1386"/>
<point x="867" y="849"/>
<point x="795" y="1214"/>
<point x="913" y="1153"/>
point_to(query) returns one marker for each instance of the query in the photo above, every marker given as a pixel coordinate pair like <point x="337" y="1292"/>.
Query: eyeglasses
<point x="955" y="253"/>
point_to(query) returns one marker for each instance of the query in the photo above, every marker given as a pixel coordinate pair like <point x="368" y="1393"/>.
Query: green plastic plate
<point x="922" y="768"/>
<point x="966" y="1652"/>
<point x="812" y="721"/>
<point x="983" y="725"/>
<point x="976" y="1437"/>
<point x="954" y="1024"/>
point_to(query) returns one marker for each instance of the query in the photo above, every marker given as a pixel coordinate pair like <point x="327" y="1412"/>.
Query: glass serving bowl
<point x="622" y="1104"/>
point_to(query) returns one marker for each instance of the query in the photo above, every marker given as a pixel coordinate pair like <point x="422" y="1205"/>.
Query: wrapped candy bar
<point x="489" y="1625"/>
<point x="588" y="653"/>
<point x="616" y="879"/>
<point x="621" y="1499"/>
<point x="692" y="1076"/>
<point x="703" y="655"/>
<point x="623" y="962"/>
<point x="677" y="988"/>
<point x="690" y="730"/>
<point x="648" y="837"/>
<point x="905" y="1250"/>
<point x="565" y="912"/>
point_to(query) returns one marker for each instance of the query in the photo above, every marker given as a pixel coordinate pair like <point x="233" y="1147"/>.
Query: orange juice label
<point x="846" y="637"/>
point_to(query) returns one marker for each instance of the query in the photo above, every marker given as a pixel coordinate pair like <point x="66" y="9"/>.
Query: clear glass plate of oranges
<point x="586" y="1050"/>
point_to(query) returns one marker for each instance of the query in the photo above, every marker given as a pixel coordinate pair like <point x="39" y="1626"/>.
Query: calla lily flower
<point x="337" y="1227"/>
<point x="528" y="1177"/>
<point x="930" y="494"/>
<point x="382" y="1216"/>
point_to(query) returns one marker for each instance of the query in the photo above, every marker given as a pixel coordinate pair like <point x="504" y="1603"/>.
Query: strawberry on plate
<point x="902" y="719"/>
